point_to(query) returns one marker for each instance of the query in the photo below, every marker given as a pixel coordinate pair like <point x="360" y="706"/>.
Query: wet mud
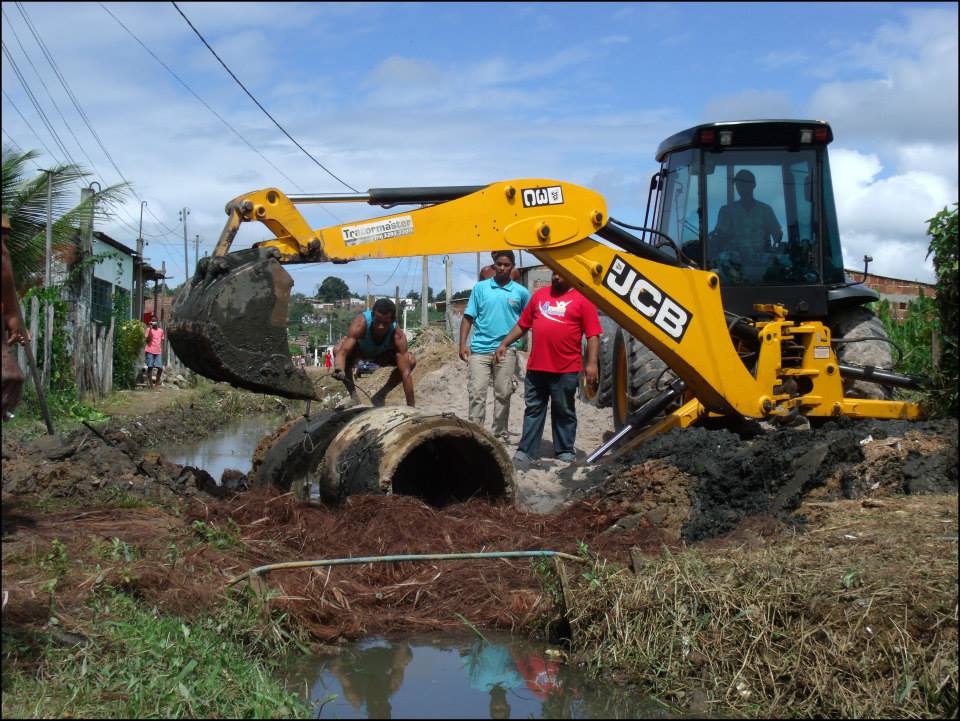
<point x="703" y="483"/>
<point x="126" y="454"/>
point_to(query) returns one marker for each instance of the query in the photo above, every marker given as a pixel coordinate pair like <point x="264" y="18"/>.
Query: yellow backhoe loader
<point x="741" y="310"/>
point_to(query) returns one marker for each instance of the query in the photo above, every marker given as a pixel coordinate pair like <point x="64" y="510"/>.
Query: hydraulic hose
<point x="410" y="557"/>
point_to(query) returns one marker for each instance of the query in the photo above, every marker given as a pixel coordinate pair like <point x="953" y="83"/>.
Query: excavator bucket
<point x="229" y="323"/>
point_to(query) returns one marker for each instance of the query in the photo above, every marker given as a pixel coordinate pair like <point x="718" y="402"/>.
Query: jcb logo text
<point x="628" y="283"/>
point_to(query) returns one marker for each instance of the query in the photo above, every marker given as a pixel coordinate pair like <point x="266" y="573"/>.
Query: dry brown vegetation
<point x="855" y="618"/>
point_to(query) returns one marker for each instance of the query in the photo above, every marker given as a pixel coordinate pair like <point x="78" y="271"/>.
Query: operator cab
<point x="752" y="201"/>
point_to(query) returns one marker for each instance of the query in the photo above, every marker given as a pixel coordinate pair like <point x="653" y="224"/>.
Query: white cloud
<point x="911" y="94"/>
<point x="885" y="217"/>
<point x="893" y="259"/>
<point x="406" y="118"/>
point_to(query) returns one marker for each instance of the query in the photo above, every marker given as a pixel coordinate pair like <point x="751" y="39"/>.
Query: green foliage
<point x="128" y="341"/>
<point x="332" y="289"/>
<point x="942" y="230"/>
<point x="57" y="559"/>
<point x="217" y="537"/>
<point x="299" y="307"/>
<point x="913" y="335"/>
<point x="146" y="664"/>
<point x="25" y="202"/>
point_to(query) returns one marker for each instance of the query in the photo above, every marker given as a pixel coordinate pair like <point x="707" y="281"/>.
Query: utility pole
<point x="156" y="290"/>
<point x="424" y="292"/>
<point x="447" y="308"/>
<point x="196" y="250"/>
<point x="47" y="277"/>
<point x="139" y="295"/>
<point x="448" y="262"/>
<point x="156" y="308"/>
<point x="369" y="299"/>
<point x="186" y="260"/>
<point x="82" y="356"/>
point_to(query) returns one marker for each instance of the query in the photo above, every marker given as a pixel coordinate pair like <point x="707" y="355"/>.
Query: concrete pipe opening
<point x="439" y="458"/>
<point x="449" y="469"/>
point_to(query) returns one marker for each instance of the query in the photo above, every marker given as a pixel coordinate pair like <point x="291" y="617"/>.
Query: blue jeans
<point x="561" y="390"/>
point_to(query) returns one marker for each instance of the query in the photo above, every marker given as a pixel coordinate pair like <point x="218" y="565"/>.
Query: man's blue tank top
<point x="369" y="348"/>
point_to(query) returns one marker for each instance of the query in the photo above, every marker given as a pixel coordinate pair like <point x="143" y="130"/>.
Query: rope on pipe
<point x="410" y="557"/>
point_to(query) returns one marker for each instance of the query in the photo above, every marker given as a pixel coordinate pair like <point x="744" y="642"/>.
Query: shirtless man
<point x="374" y="336"/>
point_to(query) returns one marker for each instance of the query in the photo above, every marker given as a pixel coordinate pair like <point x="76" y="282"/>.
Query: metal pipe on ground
<point x="440" y="458"/>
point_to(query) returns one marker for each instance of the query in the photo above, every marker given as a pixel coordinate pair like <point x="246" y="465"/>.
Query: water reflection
<point x="229" y="447"/>
<point x="370" y="676"/>
<point x="499" y="676"/>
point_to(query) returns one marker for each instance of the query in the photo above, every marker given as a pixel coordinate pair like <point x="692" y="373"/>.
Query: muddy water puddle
<point x="444" y="676"/>
<point x="229" y="447"/>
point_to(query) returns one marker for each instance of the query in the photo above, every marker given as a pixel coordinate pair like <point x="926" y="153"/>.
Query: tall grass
<point x="855" y="620"/>
<point x="137" y="663"/>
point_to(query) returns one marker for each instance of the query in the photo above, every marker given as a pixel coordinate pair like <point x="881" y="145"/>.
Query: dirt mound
<point x="432" y="348"/>
<point x="728" y="478"/>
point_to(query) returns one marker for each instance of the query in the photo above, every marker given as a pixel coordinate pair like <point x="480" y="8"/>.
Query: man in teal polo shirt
<point x="493" y="309"/>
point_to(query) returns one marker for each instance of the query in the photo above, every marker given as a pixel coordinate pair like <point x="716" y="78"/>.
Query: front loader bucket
<point x="229" y="323"/>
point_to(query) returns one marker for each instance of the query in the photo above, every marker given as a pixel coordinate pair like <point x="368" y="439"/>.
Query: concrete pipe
<point x="438" y="457"/>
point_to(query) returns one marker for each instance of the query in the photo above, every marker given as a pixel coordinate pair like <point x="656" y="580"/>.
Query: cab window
<point x="760" y="216"/>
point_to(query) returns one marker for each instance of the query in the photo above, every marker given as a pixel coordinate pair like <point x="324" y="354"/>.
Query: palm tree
<point x="25" y="204"/>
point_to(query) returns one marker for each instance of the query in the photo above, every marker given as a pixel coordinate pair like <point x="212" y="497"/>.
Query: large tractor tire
<point x="602" y="395"/>
<point x="862" y="322"/>
<point x="638" y="376"/>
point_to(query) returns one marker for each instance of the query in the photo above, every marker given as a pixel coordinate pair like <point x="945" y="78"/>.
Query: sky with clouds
<point x="469" y="93"/>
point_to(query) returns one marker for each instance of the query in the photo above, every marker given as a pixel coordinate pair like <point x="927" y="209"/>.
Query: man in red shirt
<point x="559" y="316"/>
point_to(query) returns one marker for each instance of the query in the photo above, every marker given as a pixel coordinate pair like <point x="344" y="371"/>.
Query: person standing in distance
<point x="559" y="316"/>
<point x="153" y="351"/>
<point x="494" y="307"/>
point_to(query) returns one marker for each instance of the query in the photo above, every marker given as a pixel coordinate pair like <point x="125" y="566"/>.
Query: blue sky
<point x="469" y="93"/>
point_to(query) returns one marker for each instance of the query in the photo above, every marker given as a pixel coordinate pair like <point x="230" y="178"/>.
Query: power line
<point x="76" y="104"/>
<point x="380" y="285"/>
<point x="30" y="127"/>
<point x="201" y="100"/>
<point x="257" y="102"/>
<point x="73" y="99"/>
<point x="49" y="94"/>
<point x="36" y="104"/>
<point x="210" y="108"/>
<point x="173" y="258"/>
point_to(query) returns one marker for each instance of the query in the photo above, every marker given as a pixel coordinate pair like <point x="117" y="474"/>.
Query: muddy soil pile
<point x="703" y="483"/>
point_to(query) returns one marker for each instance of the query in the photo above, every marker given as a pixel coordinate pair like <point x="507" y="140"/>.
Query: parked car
<point x="365" y="367"/>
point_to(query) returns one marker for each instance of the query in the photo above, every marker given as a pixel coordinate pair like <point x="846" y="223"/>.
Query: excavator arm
<point x="229" y="322"/>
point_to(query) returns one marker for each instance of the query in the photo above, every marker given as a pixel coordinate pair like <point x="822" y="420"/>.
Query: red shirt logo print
<point x="554" y="311"/>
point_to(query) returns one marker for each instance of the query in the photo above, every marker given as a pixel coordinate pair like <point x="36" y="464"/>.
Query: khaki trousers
<point x="482" y="367"/>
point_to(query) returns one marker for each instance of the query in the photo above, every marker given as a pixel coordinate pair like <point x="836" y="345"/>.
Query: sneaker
<point x="566" y="457"/>
<point x="521" y="461"/>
